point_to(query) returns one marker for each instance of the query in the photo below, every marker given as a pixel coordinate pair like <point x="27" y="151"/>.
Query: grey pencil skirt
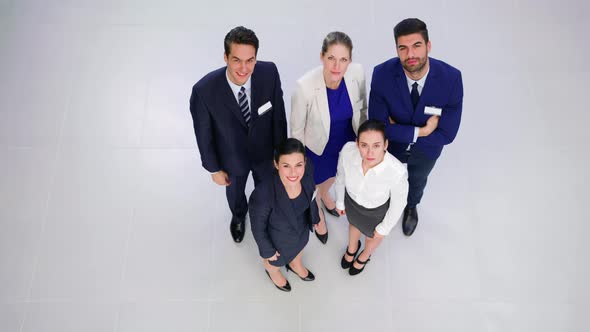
<point x="364" y="219"/>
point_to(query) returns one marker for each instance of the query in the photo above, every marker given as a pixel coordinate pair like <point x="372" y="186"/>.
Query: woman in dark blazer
<point x="283" y="212"/>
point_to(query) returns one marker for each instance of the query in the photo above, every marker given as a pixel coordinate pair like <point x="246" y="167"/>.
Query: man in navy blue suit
<point x="420" y="100"/>
<point x="239" y="117"/>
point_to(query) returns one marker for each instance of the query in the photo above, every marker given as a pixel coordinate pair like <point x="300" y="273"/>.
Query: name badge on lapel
<point x="431" y="110"/>
<point x="264" y="108"/>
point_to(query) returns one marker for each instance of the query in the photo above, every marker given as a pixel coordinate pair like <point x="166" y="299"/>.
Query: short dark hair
<point x="372" y="125"/>
<point x="240" y="35"/>
<point x="291" y="145"/>
<point x="336" y="37"/>
<point x="410" y="26"/>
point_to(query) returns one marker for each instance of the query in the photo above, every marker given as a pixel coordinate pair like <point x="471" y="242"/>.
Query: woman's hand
<point x="341" y="212"/>
<point x="275" y="257"/>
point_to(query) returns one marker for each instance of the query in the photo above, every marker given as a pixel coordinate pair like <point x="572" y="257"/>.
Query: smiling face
<point x="372" y="146"/>
<point x="335" y="60"/>
<point x="291" y="168"/>
<point x="413" y="51"/>
<point x="240" y="62"/>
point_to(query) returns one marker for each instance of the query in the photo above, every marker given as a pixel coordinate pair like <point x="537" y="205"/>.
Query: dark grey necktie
<point x="244" y="107"/>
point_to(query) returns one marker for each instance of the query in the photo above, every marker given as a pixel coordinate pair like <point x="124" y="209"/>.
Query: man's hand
<point x="431" y="125"/>
<point x="221" y="178"/>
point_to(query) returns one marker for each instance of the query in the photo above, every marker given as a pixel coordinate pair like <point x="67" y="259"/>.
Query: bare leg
<point x="370" y="245"/>
<point x="297" y="265"/>
<point x="275" y="274"/>
<point x="354" y="236"/>
<point x="324" y="187"/>
<point x="322" y="228"/>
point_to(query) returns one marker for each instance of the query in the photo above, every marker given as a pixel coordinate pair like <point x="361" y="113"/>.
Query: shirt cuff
<point x="340" y="205"/>
<point x="416" y="132"/>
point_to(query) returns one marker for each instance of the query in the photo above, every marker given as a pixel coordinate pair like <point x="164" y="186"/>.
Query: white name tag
<point x="264" y="108"/>
<point x="430" y="110"/>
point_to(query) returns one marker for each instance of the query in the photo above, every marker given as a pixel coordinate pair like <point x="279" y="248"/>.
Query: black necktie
<point x="415" y="95"/>
<point x="244" y="107"/>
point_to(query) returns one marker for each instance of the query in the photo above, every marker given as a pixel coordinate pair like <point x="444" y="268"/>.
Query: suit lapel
<point x="430" y="86"/>
<point x="351" y="88"/>
<point x="254" y="95"/>
<point x="228" y="99"/>
<point x="402" y="85"/>
<point x="321" y="99"/>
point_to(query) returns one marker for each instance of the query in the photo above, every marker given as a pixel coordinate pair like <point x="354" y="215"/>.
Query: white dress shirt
<point x="388" y="179"/>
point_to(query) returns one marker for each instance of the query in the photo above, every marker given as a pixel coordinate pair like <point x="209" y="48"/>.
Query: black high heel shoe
<point x="309" y="277"/>
<point x="322" y="237"/>
<point x="332" y="211"/>
<point x="346" y="264"/>
<point x="353" y="270"/>
<point x="285" y="288"/>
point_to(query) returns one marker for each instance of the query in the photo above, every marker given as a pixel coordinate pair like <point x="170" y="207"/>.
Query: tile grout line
<point x="124" y="264"/>
<point x="51" y="185"/>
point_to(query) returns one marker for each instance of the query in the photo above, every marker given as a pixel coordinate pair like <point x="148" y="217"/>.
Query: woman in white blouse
<point x="371" y="189"/>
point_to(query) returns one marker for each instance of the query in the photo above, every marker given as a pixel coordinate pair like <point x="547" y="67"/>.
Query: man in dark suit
<point x="420" y="99"/>
<point x="239" y="117"/>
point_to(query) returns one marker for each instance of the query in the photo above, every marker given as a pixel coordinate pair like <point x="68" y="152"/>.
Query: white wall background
<point x="108" y="222"/>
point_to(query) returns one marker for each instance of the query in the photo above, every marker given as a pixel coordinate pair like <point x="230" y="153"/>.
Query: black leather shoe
<point x="410" y="220"/>
<point x="332" y="212"/>
<point x="346" y="264"/>
<point x="308" y="277"/>
<point x="353" y="270"/>
<point x="286" y="288"/>
<point x="237" y="229"/>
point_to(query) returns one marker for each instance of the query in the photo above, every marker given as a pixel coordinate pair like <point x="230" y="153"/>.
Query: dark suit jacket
<point x="225" y="141"/>
<point x="274" y="224"/>
<point x="390" y="97"/>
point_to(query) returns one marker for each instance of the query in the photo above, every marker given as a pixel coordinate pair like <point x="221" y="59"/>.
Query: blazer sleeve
<point x="260" y="207"/>
<point x="279" y="116"/>
<point x="450" y="119"/>
<point x="298" y="113"/>
<point x="363" y="96"/>
<point x="378" y="109"/>
<point x="204" y="132"/>
<point x="397" y="203"/>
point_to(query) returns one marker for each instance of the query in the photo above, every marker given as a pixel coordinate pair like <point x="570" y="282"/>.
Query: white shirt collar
<point x="420" y="82"/>
<point x="236" y="88"/>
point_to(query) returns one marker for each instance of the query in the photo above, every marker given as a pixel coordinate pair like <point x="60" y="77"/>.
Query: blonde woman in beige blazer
<point x="327" y="107"/>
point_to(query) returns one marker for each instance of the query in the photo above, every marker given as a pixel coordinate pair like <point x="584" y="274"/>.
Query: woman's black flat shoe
<point x="354" y="271"/>
<point x="286" y="288"/>
<point x="346" y="264"/>
<point x="308" y="277"/>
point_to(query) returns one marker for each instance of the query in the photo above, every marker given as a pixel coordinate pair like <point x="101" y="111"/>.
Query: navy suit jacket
<point x="274" y="224"/>
<point x="225" y="141"/>
<point x="390" y="97"/>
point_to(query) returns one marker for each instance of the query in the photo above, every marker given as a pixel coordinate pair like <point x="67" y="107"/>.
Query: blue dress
<point x="341" y="132"/>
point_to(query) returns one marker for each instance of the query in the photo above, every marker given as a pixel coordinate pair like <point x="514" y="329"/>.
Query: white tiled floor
<point x="109" y="223"/>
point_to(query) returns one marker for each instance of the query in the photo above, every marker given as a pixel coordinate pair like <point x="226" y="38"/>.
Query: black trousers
<point x="419" y="167"/>
<point x="235" y="192"/>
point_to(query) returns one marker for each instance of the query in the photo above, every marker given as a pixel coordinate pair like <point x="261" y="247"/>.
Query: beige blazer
<point x="310" y="116"/>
